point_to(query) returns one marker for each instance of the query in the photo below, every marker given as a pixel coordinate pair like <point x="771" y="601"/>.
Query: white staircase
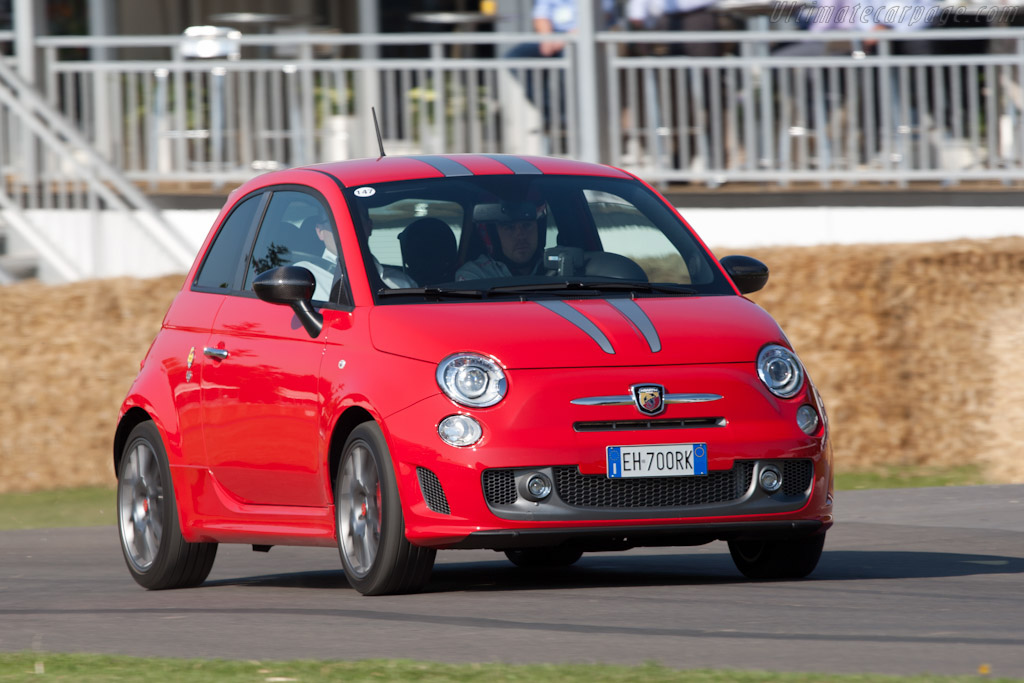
<point x="66" y="213"/>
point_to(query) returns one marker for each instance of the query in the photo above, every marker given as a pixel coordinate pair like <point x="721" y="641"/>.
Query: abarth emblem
<point x="188" y="366"/>
<point x="649" y="398"/>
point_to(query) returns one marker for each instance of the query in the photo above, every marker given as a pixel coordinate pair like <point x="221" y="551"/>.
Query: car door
<point x="260" y="386"/>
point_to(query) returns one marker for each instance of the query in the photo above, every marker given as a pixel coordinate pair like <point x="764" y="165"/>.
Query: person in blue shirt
<point x="552" y="17"/>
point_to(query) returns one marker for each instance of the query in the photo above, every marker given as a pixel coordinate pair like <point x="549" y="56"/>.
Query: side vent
<point x="433" y="493"/>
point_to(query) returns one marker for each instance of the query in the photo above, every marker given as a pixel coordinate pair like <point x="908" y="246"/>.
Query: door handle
<point x="216" y="354"/>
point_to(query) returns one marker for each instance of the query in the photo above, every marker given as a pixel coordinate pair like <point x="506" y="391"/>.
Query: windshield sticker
<point x="365" y="192"/>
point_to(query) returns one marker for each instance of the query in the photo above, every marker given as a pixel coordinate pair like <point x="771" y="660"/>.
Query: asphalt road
<point x="912" y="581"/>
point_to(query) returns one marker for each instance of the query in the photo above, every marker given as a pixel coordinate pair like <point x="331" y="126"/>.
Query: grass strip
<point x="909" y="477"/>
<point x="54" y="509"/>
<point x="28" y="666"/>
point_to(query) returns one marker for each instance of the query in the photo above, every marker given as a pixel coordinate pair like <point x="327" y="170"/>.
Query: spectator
<point x="677" y="15"/>
<point x="552" y="17"/>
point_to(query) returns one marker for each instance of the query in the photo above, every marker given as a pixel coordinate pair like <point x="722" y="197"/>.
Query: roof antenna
<point x="380" y="142"/>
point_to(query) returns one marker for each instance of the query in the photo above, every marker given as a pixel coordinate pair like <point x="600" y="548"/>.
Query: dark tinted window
<point x="224" y="260"/>
<point x="296" y="231"/>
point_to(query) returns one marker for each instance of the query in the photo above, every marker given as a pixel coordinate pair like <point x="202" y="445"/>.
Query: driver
<point x="511" y="233"/>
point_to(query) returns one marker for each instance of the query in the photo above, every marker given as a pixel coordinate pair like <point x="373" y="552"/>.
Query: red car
<point x="533" y="355"/>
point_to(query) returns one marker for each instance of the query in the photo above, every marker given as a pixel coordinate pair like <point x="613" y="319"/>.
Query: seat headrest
<point x="429" y="250"/>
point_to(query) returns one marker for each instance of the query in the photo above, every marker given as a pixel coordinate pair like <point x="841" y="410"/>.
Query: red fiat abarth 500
<point x="406" y="354"/>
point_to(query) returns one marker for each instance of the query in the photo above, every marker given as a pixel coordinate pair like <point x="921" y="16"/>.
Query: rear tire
<point x="377" y="557"/>
<point x="540" y="558"/>
<point x="147" y="518"/>
<point x="788" y="559"/>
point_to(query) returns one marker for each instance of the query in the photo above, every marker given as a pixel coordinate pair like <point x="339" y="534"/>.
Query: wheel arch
<point x="348" y="421"/>
<point x="129" y="421"/>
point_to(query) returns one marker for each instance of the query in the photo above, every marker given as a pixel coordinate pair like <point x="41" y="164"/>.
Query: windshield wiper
<point x="611" y="286"/>
<point x="432" y="292"/>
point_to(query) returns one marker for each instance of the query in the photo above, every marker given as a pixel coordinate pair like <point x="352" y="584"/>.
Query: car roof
<point x="359" y="172"/>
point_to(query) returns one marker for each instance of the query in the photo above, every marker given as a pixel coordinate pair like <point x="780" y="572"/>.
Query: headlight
<point x="471" y="380"/>
<point x="780" y="370"/>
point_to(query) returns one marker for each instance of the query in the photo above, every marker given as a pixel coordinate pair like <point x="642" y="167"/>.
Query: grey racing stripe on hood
<point x="636" y="315"/>
<point x="581" y="321"/>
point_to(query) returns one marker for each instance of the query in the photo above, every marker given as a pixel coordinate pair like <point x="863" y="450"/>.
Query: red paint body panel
<point x="260" y="406"/>
<point x="693" y="330"/>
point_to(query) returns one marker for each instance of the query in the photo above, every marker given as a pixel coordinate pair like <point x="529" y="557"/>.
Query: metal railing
<point x="46" y="164"/>
<point x="859" y="115"/>
<point x="170" y="118"/>
<point x="751" y="115"/>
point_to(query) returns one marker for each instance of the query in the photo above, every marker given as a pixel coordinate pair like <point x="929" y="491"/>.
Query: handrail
<point x="90" y="168"/>
<point x="512" y="38"/>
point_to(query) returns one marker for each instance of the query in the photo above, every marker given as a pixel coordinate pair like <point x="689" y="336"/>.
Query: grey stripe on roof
<point x="515" y="164"/>
<point x="449" y="167"/>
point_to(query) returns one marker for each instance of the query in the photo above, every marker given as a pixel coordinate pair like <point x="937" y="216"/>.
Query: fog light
<point x="537" y="487"/>
<point x="807" y="419"/>
<point x="770" y="478"/>
<point x="459" y="430"/>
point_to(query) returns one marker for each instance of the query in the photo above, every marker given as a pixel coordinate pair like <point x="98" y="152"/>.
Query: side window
<point x="296" y="231"/>
<point x="226" y="255"/>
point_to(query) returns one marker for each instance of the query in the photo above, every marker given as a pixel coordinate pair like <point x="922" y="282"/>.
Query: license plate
<point x="665" y="460"/>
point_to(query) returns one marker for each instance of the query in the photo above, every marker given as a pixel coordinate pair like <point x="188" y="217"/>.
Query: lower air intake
<point x="433" y="493"/>
<point x="598" y="491"/>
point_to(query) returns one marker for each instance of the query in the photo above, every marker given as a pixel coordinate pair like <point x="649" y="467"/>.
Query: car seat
<point x="429" y="251"/>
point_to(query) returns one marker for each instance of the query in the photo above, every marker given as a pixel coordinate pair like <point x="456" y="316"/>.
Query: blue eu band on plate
<point x="662" y="460"/>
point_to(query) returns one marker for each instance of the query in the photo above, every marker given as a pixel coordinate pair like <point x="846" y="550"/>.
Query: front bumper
<point x="626" y="537"/>
<point x="450" y="498"/>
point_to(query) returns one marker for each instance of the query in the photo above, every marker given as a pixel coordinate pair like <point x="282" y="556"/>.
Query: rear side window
<point x="226" y="257"/>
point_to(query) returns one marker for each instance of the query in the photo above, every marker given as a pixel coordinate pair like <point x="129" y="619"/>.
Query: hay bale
<point x="68" y="364"/>
<point x="908" y="345"/>
<point x="914" y="348"/>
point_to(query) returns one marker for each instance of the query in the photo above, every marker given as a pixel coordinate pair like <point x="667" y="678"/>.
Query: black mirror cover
<point x="292" y="286"/>
<point x="285" y="285"/>
<point x="748" y="273"/>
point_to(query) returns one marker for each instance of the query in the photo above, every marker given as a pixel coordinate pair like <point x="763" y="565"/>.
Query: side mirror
<point x="748" y="273"/>
<point x="291" y="286"/>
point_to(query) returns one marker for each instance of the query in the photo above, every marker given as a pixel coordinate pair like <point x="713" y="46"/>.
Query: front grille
<point x="637" y="425"/>
<point x="433" y="493"/>
<point x="598" y="491"/>
<point x="796" y="477"/>
<point x="500" y="487"/>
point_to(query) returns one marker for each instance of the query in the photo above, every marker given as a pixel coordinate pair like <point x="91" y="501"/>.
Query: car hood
<point x="579" y="333"/>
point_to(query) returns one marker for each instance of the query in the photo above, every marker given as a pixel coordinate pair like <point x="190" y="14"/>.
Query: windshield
<point x="507" y="236"/>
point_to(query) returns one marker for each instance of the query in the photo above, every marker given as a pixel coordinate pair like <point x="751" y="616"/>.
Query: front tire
<point x="788" y="559"/>
<point x="147" y="518"/>
<point x="377" y="557"/>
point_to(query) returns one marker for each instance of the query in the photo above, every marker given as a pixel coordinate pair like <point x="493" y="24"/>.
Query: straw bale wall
<point x="915" y="349"/>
